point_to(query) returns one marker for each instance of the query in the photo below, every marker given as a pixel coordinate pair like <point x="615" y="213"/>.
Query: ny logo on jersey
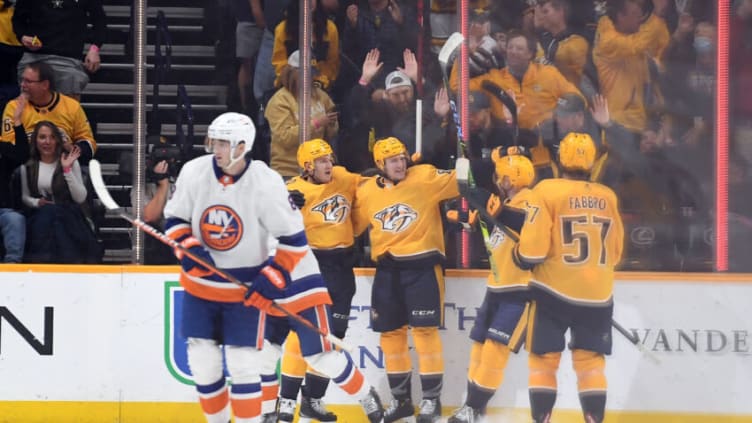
<point x="496" y="238"/>
<point x="334" y="209"/>
<point x="396" y="218"/>
<point x="221" y="227"/>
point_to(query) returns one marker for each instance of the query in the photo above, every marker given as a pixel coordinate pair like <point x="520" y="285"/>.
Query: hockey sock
<point x="290" y="387"/>
<point x="476" y="350"/>
<point x="246" y="402"/>
<point x="269" y="392"/>
<point x="490" y="372"/>
<point x="430" y="360"/>
<point x="591" y="383"/>
<point x="293" y="367"/>
<point x="215" y="401"/>
<point x="542" y="383"/>
<point x="477" y="397"/>
<point x="397" y="361"/>
<point x="315" y="385"/>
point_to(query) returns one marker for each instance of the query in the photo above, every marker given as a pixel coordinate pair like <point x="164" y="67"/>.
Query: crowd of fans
<point x="637" y="75"/>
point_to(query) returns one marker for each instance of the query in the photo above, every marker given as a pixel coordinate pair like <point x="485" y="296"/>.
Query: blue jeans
<point x="264" y="74"/>
<point x="13" y="227"/>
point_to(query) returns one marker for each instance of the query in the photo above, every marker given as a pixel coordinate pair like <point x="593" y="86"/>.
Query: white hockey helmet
<point x="234" y="128"/>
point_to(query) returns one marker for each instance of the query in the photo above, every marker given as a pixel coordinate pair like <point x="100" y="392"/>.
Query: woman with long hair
<point x="282" y="114"/>
<point x="52" y="187"/>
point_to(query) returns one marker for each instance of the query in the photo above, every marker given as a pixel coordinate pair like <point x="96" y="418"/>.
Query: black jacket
<point x="11" y="157"/>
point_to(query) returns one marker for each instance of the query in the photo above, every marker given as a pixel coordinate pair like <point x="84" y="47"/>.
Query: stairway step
<point x="90" y="106"/>
<point x="193" y="91"/>
<point x="192" y="51"/>
<point x="171" y="13"/>
<point x="127" y="128"/>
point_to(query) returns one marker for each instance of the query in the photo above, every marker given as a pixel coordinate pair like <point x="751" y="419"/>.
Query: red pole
<point x="722" y="138"/>
<point x="464" y="124"/>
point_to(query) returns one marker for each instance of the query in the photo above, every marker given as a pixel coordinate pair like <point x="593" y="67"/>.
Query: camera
<point x="157" y="150"/>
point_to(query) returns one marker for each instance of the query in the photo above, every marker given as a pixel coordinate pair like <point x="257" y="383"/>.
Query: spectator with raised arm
<point x="59" y="229"/>
<point x="54" y="32"/>
<point x="45" y="103"/>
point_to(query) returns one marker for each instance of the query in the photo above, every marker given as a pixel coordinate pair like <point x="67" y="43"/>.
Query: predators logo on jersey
<point x="334" y="208"/>
<point x="495" y="238"/>
<point x="396" y="218"/>
<point x="221" y="227"/>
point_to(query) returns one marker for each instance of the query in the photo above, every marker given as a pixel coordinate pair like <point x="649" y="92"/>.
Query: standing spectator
<point x="47" y="104"/>
<point x="264" y="76"/>
<point x="54" y="32"/>
<point x="12" y="223"/>
<point x="52" y="186"/>
<point x="248" y="33"/>
<point x="157" y="191"/>
<point x="625" y="44"/>
<point x="535" y="87"/>
<point x="10" y="53"/>
<point x="374" y="113"/>
<point x="283" y="116"/>
<point x="563" y="47"/>
<point x="386" y="25"/>
<point x="325" y="43"/>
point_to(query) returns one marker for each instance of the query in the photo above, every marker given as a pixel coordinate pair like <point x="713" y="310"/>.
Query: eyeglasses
<point x="29" y="81"/>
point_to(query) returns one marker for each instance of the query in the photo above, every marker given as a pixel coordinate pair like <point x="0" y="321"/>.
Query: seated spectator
<point x="740" y="67"/>
<point x="325" y="49"/>
<point x="12" y="223"/>
<point x="47" y="104"/>
<point x="54" y="32"/>
<point x="625" y="44"/>
<point x="52" y="185"/>
<point x="284" y="119"/>
<point x="535" y="87"/>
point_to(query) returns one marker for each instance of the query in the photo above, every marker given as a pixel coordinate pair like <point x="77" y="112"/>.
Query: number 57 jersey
<point x="575" y="242"/>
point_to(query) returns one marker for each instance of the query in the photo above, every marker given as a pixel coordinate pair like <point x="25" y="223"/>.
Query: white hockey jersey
<point x="234" y="218"/>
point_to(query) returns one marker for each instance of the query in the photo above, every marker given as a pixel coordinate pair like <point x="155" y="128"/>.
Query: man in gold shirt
<point x="402" y="209"/>
<point x="535" y="87"/>
<point x="572" y="248"/>
<point x="324" y="193"/>
<point x="626" y="41"/>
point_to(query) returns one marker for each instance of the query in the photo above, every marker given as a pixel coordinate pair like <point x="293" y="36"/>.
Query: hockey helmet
<point x="233" y="127"/>
<point x="577" y="152"/>
<point x="312" y="150"/>
<point x="518" y="168"/>
<point x="386" y="148"/>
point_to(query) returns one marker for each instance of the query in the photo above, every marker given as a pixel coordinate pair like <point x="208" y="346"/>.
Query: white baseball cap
<point x="397" y="79"/>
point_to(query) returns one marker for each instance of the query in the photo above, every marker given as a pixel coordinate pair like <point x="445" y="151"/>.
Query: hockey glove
<point x="189" y="265"/>
<point x="298" y="198"/>
<point x="268" y="283"/>
<point x="259" y="301"/>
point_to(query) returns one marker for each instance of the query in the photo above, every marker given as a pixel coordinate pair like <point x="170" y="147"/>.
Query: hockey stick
<point x="632" y="338"/>
<point x="95" y="171"/>
<point x="508" y="102"/>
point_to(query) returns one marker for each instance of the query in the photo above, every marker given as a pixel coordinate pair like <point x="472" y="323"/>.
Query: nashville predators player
<point x="401" y="206"/>
<point x="572" y="248"/>
<point x="500" y="324"/>
<point x="324" y="193"/>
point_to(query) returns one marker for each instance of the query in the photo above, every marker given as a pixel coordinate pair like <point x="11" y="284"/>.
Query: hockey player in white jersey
<point x="225" y="209"/>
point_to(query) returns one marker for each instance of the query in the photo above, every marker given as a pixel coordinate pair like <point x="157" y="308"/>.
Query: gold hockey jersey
<point x="327" y="213"/>
<point x="405" y="218"/>
<point x="575" y="242"/>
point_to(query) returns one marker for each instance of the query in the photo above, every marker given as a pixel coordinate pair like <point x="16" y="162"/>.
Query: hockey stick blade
<point x="95" y="172"/>
<point x="450" y="46"/>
